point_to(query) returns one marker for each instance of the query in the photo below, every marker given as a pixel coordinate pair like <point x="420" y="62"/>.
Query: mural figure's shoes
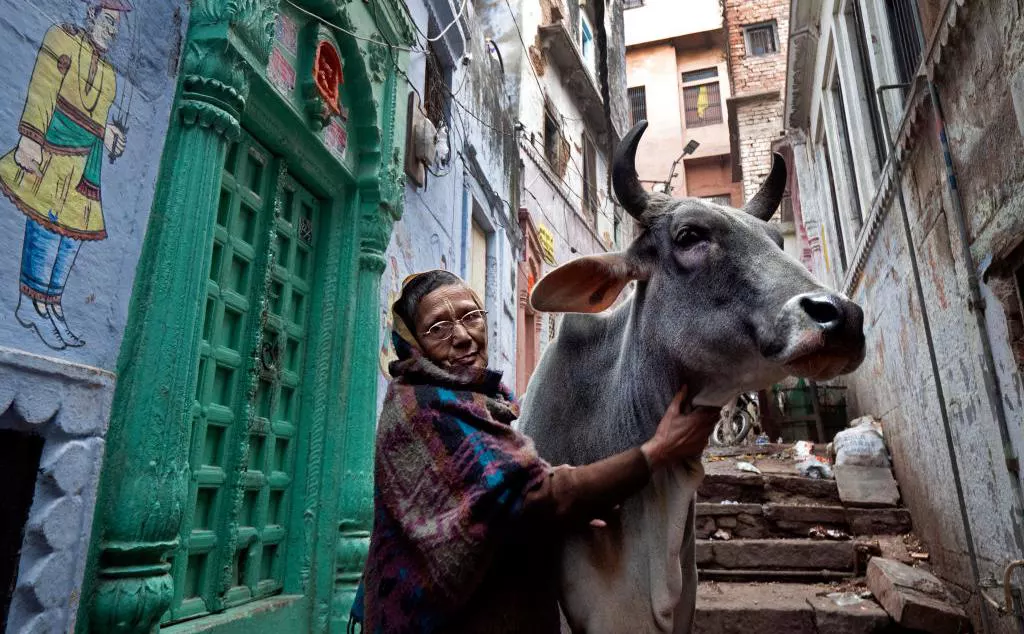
<point x="69" y="338"/>
<point x="29" y="316"/>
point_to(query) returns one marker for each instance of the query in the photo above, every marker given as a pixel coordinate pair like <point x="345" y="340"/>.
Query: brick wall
<point x="751" y="75"/>
<point x="758" y="122"/>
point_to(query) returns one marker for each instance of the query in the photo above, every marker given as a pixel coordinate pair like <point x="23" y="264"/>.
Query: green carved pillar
<point x="145" y="474"/>
<point x="381" y="206"/>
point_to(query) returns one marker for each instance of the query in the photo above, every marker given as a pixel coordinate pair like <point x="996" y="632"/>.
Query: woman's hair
<point x="418" y="288"/>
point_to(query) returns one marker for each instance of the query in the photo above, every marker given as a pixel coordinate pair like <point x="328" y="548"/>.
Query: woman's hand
<point x="679" y="435"/>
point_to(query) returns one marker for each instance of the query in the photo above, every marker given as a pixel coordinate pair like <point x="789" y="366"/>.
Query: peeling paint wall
<point x="896" y="383"/>
<point x="84" y="110"/>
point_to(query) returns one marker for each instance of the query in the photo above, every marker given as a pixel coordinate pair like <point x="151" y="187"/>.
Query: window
<point x="556" y="149"/>
<point x="478" y="260"/>
<point x="590" y="204"/>
<point x="632" y="4"/>
<point x="637" y="103"/>
<point x="858" y="31"/>
<point x="436" y="83"/>
<point x="248" y="408"/>
<point x="905" y="37"/>
<point x="848" y="165"/>
<point x="703" y="105"/>
<point x="719" y="199"/>
<point x="700" y="75"/>
<point x="760" y="39"/>
<point x="835" y="205"/>
<point x="587" y="42"/>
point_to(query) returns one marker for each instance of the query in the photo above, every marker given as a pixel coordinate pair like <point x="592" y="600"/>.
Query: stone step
<point x="777" y="554"/>
<point x="805" y="576"/>
<point x="748" y="608"/>
<point x="756" y="521"/>
<point x="751" y="488"/>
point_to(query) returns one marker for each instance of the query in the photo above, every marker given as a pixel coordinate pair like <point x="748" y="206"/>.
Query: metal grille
<point x="242" y="458"/>
<point x="632" y="4"/>
<point x="703" y="105"/>
<point x="906" y="37"/>
<point x="552" y="140"/>
<point x="638" y="103"/>
<point x="761" y="40"/>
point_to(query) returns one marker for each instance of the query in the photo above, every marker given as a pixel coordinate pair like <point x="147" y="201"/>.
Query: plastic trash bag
<point x="815" y="468"/>
<point x="861" y="444"/>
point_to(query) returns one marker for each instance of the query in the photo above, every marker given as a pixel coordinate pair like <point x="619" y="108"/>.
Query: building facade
<point x="87" y="96"/>
<point x="678" y="76"/>
<point x="460" y="203"/>
<point x="906" y="135"/>
<point x="187" y="366"/>
<point x="567" y="73"/>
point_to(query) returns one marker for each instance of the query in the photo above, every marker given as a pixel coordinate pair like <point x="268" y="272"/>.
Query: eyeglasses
<point x="443" y="330"/>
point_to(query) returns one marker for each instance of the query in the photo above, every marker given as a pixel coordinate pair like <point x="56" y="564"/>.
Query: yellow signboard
<point x="547" y="243"/>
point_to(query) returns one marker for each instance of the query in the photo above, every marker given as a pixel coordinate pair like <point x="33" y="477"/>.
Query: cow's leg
<point x="687" y="608"/>
<point x="627" y="577"/>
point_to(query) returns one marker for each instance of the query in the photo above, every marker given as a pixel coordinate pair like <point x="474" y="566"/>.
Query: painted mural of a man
<point x="53" y="175"/>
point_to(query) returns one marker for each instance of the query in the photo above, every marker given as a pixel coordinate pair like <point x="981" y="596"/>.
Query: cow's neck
<point x="649" y="375"/>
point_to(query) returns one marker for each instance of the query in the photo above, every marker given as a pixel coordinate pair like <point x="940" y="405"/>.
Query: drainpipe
<point x="976" y="306"/>
<point x="947" y="428"/>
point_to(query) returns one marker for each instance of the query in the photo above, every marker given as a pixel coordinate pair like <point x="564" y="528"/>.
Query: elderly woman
<point x="467" y="517"/>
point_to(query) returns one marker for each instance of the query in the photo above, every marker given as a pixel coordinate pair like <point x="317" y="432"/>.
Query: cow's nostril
<point x="821" y="310"/>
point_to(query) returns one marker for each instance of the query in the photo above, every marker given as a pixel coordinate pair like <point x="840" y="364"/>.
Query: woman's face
<point x="445" y="340"/>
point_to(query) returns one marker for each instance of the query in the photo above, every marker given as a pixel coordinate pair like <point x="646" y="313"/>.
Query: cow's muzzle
<point x="823" y="335"/>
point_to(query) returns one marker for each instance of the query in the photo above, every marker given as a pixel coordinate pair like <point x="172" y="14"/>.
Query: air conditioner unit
<point x="420" y="142"/>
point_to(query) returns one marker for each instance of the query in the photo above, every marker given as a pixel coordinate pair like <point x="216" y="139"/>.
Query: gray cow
<point x="719" y="307"/>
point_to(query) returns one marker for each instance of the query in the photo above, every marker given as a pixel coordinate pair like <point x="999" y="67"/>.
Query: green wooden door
<point x="247" y="415"/>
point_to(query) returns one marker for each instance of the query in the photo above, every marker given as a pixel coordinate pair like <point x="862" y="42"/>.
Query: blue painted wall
<point x="135" y="81"/>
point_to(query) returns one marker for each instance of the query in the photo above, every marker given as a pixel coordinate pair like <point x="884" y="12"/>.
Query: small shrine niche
<point x="327" y="75"/>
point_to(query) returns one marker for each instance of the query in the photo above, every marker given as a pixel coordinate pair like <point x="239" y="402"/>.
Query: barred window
<point x="906" y="42"/>
<point x="760" y="39"/>
<point x="638" y="103"/>
<point x="632" y="4"/>
<point x="703" y="105"/>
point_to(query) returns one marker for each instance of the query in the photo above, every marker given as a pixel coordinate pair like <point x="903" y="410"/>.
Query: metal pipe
<point x="932" y="357"/>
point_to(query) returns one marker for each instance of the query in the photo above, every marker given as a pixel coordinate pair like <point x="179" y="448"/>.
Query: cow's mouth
<point x="820" y="366"/>
<point x="815" y="357"/>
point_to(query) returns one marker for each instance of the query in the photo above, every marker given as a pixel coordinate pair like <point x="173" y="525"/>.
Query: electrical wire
<point x="458" y="16"/>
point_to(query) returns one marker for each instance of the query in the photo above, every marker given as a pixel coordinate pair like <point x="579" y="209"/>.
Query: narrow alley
<point x="505" y="316"/>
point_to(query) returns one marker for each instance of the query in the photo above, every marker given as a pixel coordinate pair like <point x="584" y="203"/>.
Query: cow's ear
<point x="588" y="284"/>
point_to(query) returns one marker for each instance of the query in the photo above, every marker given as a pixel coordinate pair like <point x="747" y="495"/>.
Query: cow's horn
<point x="628" y="189"/>
<point x="767" y="199"/>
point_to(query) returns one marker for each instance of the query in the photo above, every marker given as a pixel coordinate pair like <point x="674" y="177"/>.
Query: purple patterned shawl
<point x="450" y="476"/>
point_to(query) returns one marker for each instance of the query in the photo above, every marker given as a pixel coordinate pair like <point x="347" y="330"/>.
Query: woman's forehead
<point x="439" y="302"/>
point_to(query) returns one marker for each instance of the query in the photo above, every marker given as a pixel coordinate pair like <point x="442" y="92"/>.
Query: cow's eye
<point x="689" y="236"/>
